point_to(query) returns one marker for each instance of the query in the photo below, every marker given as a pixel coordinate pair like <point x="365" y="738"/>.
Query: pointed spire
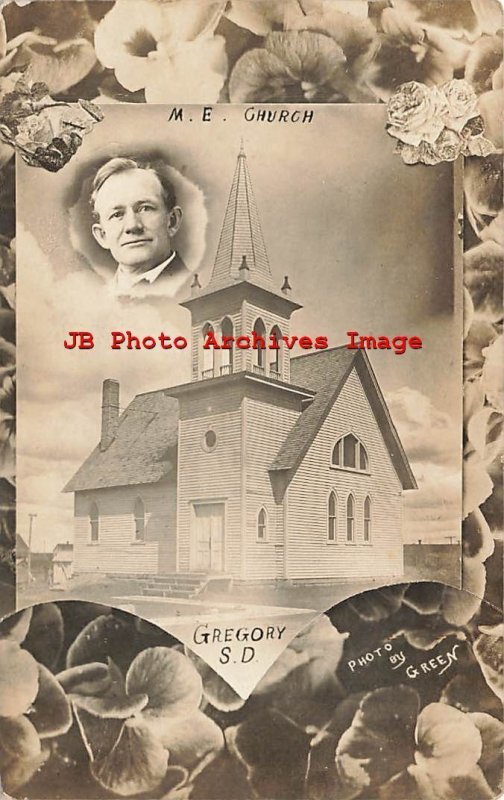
<point x="241" y="241"/>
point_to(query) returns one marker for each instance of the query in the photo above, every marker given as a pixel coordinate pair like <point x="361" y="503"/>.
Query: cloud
<point x="429" y="435"/>
<point x="433" y="444"/>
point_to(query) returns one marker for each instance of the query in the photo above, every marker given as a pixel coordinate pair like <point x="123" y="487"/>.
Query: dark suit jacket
<point x="173" y="281"/>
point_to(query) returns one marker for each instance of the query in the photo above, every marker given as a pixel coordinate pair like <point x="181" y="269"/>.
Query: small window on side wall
<point x="332" y="519"/>
<point x="350" y="518"/>
<point x="262" y="525"/>
<point x="367" y="519"/>
<point x="94" y="523"/>
<point x="139" y="514"/>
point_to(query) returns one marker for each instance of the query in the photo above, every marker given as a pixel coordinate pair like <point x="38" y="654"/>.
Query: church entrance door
<point x="208" y="537"/>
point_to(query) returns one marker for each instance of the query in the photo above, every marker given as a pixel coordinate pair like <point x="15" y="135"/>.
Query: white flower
<point x="416" y="113"/>
<point x="167" y="49"/>
<point x="462" y="103"/>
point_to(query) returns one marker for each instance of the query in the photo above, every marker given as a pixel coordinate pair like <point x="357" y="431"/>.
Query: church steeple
<point x="241" y="243"/>
<point x="241" y="298"/>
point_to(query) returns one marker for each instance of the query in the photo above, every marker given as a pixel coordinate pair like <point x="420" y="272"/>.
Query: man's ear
<point x="174" y="220"/>
<point x="99" y="235"/>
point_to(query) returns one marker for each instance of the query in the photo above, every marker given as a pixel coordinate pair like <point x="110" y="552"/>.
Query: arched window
<point x="94" y="522"/>
<point x="332" y="519"/>
<point x="262" y="525"/>
<point x="139" y="514"/>
<point x="349" y="452"/>
<point x="350" y="518"/>
<point x="227" y="355"/>
<point x="367" y="519"/>
<point x="275" y="366"/>
<point x="208" y="353"/>
<point x="259" y="351"/>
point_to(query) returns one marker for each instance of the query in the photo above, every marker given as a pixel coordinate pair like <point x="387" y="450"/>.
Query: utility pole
<point x="30" y="531"/>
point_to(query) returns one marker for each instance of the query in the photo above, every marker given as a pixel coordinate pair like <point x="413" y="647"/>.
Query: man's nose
<point x="132" y="220"/>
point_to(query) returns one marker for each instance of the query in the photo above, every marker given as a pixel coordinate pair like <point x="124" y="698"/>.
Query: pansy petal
<point x="217" y="691"/>
<point x="492" y="737"/>
<point x="20" y="770"/>
<point x="16" y="626"/>
<point x="61" y="66"/>
<point x="194" y="73"/>
<point x="90" y="679"/>
<point x="380" y="738"/>
<point x="45" y="637"/>
<point x="18" y="737"/>
<point x="110" y="707"/>
<point x="489" y="650"/>
<point x="189" y="739"/>
<point x="434" y="786"/>
<point x="51" y="714"/>
<point x="98" y="735"/>
<point x="137" y="762"/>
<point x="448" y="737"/>
<point x="171" y="682"/>
<point x="19" y="679"/>
<point x="100" y="639"/>
<point x="274" y="751"/>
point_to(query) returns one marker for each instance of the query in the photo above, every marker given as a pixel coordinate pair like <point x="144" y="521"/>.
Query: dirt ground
<point x="419" y="565"/>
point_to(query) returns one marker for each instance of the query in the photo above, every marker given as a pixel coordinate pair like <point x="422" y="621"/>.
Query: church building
<point x="265" y="466"/>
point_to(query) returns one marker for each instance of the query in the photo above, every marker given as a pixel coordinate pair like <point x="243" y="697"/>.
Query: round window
<point x="209" y="440"/>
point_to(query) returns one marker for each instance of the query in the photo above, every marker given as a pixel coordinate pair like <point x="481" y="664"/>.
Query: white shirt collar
<point x="123" y="280"/>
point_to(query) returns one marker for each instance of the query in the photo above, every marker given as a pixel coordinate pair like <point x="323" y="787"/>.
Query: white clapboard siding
<point x="210" y="476"/>
<point x="266" y="427"/>
<point x="116" y="551"/>
<point x="309" y="553"/>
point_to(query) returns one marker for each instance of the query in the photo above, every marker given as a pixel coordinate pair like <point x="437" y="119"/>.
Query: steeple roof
<point x="241" y="253"/>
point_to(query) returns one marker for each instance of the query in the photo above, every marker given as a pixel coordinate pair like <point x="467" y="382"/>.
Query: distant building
<point x="264" y="466"/>
<point x="62" y="564"/>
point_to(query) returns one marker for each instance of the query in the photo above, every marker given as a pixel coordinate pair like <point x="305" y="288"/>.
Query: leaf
<point x="170" y="680"/>
<point x="51" y="714"/>
<point x="137" y="762"/>
<point x="492" y="737"/>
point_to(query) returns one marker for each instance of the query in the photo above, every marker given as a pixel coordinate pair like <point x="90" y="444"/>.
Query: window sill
<point x="137" y="544"/>
<point x="92" y="544"/>
<point x="351" y="544"/>
<point x="262" y="541"/>
<point x="331" y="542"/>
<point x="350" y="469"/>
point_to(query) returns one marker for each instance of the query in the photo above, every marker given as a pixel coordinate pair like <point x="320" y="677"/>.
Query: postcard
<point x="251" y="254"/>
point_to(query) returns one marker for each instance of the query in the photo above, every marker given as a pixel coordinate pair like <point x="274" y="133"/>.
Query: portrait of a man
<point x="136" y="216"/>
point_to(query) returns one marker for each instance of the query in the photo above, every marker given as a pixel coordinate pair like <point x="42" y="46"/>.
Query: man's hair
<point x="117" y="165"/>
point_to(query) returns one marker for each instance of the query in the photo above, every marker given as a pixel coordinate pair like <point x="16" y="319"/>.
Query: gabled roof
<point x="143" y="451"/>
<point x="241" y="236"/>
<point x="326" y="372"/>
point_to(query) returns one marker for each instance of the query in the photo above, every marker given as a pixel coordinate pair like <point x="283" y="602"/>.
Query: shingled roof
<point x="143" y="451"/>
<point x="326" y="372"/>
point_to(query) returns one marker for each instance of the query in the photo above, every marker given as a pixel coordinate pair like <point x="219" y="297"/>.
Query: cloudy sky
<point x="366" y="241"/>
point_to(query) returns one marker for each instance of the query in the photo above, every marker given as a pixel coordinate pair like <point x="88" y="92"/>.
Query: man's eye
<point x="145" y="207"/>
<point x="116" y="215"/>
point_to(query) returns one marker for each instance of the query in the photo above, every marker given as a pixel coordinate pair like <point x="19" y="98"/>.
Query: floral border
<point x="256" y="51"/>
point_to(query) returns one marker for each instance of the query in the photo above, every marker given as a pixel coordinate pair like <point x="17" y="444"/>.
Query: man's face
<point x="134" y="223"/>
